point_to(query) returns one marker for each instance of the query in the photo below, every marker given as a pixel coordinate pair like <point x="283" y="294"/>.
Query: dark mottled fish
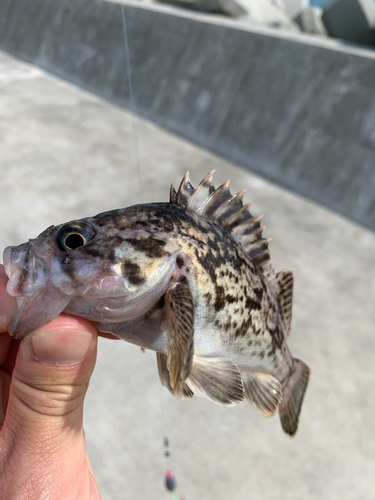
<point x="190" y="279"/>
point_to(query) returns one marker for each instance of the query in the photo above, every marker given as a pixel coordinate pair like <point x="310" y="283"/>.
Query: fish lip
<point x="7" y="258"/>
<point x="25" y="269"/>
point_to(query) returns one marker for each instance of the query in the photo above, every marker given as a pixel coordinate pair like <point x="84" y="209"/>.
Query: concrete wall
<point x="299" y="112"/>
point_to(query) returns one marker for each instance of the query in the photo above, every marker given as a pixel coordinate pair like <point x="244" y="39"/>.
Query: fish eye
<point x="72" y="236"/>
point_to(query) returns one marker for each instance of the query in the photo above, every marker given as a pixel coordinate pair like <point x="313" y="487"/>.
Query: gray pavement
<point x="64" y="154"/>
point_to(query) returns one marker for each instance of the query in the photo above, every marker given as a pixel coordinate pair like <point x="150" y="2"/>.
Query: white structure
<point x="310" y="21"/>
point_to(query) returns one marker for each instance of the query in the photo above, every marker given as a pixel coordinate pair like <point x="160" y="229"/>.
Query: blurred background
<point x="275" y="95"/>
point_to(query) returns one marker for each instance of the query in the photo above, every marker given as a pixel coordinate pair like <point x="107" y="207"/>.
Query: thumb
<point x="45" y="408"/>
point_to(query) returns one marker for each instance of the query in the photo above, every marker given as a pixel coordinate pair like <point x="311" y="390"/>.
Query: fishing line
<point x="131" y="98"/>
<point x="169" y="478"/>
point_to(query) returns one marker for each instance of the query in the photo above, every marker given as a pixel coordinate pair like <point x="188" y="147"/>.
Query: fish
<point x="190" y="279"/>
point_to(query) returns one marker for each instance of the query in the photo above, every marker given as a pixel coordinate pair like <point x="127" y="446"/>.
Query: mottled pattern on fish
<point x="190" y="279"/>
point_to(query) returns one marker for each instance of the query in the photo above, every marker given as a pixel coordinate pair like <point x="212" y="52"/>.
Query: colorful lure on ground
<point x="190" y="279"/>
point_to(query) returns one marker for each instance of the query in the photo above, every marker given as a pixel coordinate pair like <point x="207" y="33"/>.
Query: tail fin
<point x="293" y="392"/>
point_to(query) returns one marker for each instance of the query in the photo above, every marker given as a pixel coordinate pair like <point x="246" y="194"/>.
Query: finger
<point x="8" y="349"/>
<point x="8" y="305"/>
<point x="5" y="341"/>
<point x="5" y="380"/>
<point x="45" y="408"/>
<point x="6" y="374"/>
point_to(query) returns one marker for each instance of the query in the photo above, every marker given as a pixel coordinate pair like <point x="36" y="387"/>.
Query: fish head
<point x="92" y="267"/>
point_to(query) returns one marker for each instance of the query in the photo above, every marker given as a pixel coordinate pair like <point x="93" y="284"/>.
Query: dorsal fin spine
<point x="207" y="206"/>
<point x="184" y="191"/>
<point x="231" y="222"/>
<point x="250" y="238"/>
<point x="260" y="257"/>
<point x="235" y="198"/>
<point x="247" y="226"/>
<point x="201" y="193"/>
<point x="259" y="248"/>
<point x="172" y="194"/>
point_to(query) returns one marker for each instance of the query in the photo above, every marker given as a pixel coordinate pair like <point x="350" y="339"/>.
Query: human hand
<point x="43" y="383"/>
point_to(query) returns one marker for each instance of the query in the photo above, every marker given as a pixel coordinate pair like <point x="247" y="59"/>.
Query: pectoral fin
<point x="180" y="336"/>
<point x="164" y="377"/>
<point x="262" y="390"/>
<point x="217" y="379"/>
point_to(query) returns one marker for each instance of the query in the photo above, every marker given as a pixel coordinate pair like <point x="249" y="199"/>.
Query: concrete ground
<point x="65" y="154"/>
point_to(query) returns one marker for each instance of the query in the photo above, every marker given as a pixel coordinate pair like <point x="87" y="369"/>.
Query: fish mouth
<point x="25" y="270"/>
<point x="28" y="279"/>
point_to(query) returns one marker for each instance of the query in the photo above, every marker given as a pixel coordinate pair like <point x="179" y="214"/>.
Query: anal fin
<point x="293" y="392"/>
<point x="164" y="377"/>
<point x="180" y="336"/>
<point x="263" y="390"/>
<point x="217" y="379"/>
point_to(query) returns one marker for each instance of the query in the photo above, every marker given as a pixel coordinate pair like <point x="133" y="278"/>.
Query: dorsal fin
<point x="227" y="210"/>
<point x="284" y="281"/>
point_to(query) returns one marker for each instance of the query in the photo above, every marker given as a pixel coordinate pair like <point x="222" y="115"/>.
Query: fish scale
<point x="190" y="279"/>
